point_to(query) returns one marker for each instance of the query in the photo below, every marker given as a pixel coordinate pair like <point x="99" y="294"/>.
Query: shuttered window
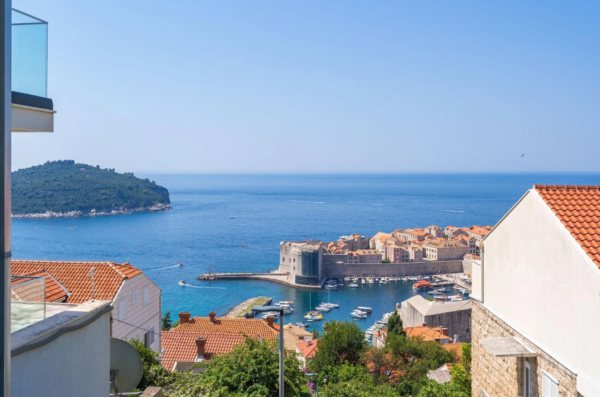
<point x="549" y="386"/>
<point x="146" y="296"/>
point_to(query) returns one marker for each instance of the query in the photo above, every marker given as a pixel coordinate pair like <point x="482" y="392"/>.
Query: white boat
<point x="362" y="281"/>
<point x="356" y="311"/>
<point x="302" y="325"/>
<point x="331" y="305"/>
<point x="353" y="285"/>
<point x="182" y="282"/>
<point x="330" y="286"/>
<point x="382" y="281"/>
<point x="365" y="309"/>
<point x="356" y="315"/>
<point x="371" y="281"/>
<point x="323" y="308"/>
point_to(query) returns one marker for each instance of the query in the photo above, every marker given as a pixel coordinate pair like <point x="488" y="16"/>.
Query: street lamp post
<point x="280" y="310"/>
<point x="316" y="376"/>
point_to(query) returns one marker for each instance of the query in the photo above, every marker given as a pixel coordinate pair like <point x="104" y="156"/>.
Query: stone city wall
<point x="503" y="376"/>
<point x="391" y="269"/>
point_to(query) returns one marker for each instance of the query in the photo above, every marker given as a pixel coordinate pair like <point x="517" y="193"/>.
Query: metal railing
<point x="28" y="301"/>
<point x="29" y="54"/>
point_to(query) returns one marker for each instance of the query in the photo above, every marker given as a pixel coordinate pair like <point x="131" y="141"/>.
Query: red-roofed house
<point x="135" y="298"/>
<point x="306" y="351"/>
<point x="243" y="326"/>
<point x="536" y="297"/>
<point x="181" y="350"/>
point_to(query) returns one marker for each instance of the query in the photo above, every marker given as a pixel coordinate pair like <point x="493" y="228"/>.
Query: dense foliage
<point x="395" y="326"/>
<point x="252" y="369"/>
<point x="342" y="342"/>
<point x="154" y="373"/>
<point x="64" y="186"/>
<point x="167" y="324"/>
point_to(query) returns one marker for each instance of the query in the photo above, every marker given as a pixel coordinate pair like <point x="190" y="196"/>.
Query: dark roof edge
<point x="19" y="98"/>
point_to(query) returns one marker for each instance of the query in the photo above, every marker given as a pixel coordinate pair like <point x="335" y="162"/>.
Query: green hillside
<point x="63" y="186"/>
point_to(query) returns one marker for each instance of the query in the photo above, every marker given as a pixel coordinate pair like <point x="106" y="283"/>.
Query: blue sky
<point x="321" y="86"/>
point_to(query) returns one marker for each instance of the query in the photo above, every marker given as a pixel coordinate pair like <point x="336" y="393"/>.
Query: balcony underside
<point x="32" y="113"/>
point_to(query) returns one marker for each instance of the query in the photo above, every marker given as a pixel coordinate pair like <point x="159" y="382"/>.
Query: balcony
<point x="32" y="110"/>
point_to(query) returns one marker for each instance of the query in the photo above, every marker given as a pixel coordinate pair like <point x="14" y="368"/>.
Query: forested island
<point x="67" y="189"/>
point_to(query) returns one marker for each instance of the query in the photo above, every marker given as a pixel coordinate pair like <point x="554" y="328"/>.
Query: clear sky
<point x="321" y="85"/>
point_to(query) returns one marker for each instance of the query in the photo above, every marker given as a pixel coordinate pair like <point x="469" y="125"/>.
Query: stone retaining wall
<point x="501" y="377"/>
<point x="391" y="269"/>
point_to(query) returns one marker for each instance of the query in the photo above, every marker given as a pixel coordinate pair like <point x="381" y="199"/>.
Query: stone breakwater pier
<point x="281" y="278"/>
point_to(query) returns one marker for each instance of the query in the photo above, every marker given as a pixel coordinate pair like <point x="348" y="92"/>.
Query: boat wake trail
<point x="311" y="202"/>
<point x="458" y="212"/>
<point x="196" y="286"/>
<point x="162" y="268"/>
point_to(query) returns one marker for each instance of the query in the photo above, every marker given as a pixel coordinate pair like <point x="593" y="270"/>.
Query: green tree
<point x="358" y="388"/>
<point x="251" y="369"/>
<point x="342" y="342"/>
<point x="166" y="322"/>
<point x="434" y="389"/>
<point x="154" y="373"/>
<point x="395" y="326"/>
<point x="461" y="373"/>
<point x="386" y="260"/>
<point x="315" y="334"/>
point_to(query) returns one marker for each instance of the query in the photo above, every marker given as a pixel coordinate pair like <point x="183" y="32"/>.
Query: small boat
<point x="288" y="310"/>
<point x="182" y="282"/>
<point x="330" y="286"/>
<point x="365" y="309"/>
<point x="231" y="217"/>
<point x="180" y="264"/>
<point x="356" y="311"/>
<point x="285" y="303"/>
<point x="323" y="308"/>
<point x="371" y="281"/>
<point x="382" y="281"/>
<point x="421" y="285"/>
<point x="331" y="305"/>
<point x="302" y="325"/>
<point x="362" y="281"/>
<point x="357" y="315"/>
<point x="353" y="285"/>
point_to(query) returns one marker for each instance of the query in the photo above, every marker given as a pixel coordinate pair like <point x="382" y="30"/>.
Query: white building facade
<point x="536" y="298"/>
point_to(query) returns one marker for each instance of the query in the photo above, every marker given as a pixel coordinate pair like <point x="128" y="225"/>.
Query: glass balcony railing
<point x="29" y="54"/>
<point x="28" y="301"/>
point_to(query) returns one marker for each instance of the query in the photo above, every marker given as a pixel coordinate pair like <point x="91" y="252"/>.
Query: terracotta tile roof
<point x="428" y="334"/>
<point x="578" y="208"/>
<point x="456" y="347"/>
<point x="181" y="346"/>
<point x="479" y="230"/>
<point x="379" y="235"/>
<point x="54" y="292"/>
<point x="229" y="326"/>
<point x="74" y="276"/>
<point x="308" y="349"/>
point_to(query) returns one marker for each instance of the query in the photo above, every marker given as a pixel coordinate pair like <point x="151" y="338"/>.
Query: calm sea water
<point x="267" y="210"/>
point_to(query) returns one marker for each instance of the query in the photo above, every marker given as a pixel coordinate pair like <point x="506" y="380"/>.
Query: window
<point x="122" y="310"/>
<point x="146" y="296"/>
<point x="549" y="385"/>
<point x="527" y="379"/>
<point x="149" y="337"/>
<point x="134" y="298"/>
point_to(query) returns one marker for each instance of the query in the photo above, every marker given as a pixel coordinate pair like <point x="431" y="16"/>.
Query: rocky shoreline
<point x="74" y="214"/>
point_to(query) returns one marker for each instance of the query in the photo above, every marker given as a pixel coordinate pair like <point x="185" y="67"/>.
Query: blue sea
<point x="266" y="210"/>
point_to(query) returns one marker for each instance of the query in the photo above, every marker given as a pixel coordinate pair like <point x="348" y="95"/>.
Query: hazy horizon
<point x="321" y="87"/>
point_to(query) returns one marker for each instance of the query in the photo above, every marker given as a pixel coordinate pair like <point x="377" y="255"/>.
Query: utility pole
<point x="5" y="116"/>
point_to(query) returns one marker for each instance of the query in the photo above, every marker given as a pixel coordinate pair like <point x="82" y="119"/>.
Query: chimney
<point x="424" y="324"/>
<point x="200" y="345"/>
<point x="184" y="317"/>
<point x="270" y="320"/>
<point x="309" y="342"/>
<point x="445" y="331"/>
<point x="211" y="316"/>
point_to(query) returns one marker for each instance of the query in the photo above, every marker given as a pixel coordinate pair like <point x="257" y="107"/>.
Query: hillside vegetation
<point x="65" y="186"/>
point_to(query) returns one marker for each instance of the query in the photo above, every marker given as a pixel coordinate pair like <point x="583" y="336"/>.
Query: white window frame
<point x="146" y="296"/>
<point x="527" y="379"/>
<point x="134" y="297"/>
<point x="550" y="385"/>
<point x="122" y="310"/>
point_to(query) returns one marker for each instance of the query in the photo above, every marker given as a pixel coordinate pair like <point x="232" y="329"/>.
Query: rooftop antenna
<point x="92" y="275"/>
<point x="125" y="368"/>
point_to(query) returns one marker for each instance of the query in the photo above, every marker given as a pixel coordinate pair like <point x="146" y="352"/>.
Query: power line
<point x="135" y="326"/>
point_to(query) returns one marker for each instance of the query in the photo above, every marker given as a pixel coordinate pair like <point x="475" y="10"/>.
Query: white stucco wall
<point x="539" y="280"/>
<point x="139" y="317"/>
<point x="75" y="364"/>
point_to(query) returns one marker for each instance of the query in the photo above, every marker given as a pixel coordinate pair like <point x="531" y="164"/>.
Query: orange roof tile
<point x="229" y="326"/>
<point x="74" y="276"/>
<point x="428" y="334"/>
<point x="578" y="208"/>
<point x="308" y="349"/>
<point x="54" y="291"/>
<point x="456" y="347"/>
<point x="181" y="346"/>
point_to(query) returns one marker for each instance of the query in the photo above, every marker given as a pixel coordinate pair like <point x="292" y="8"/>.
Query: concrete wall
<point x="75" y="364"/>
<point x="458" y="322"/>
<point x="538" y="280"/>
<point x="141" y="317"/>
<point x="392" y="269"/>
